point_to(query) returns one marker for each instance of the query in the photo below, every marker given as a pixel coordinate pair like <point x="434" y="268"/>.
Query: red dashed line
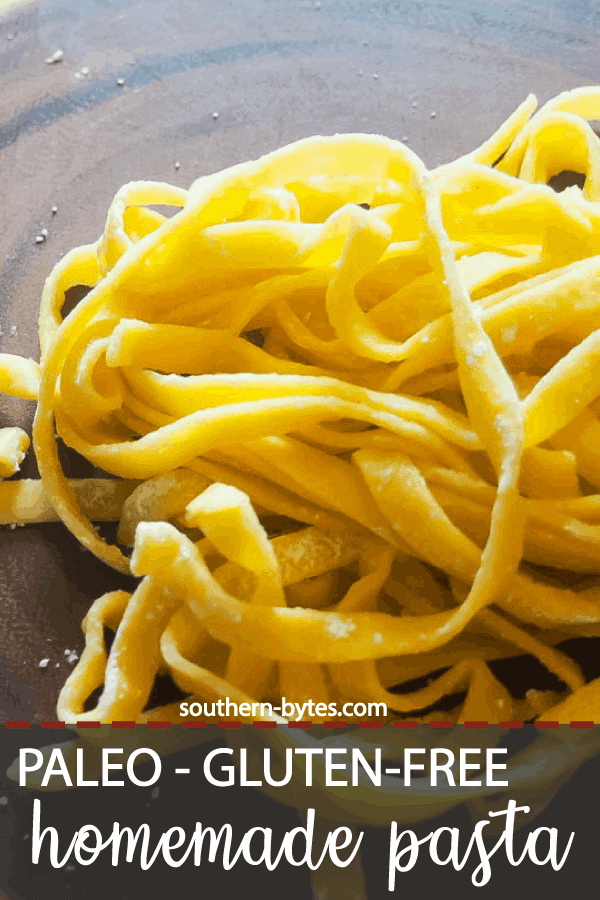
<point x="441" y="724"/>
<point x="264" y="724"/>
<point x="158" y="724"/>
<point x="299" y="724"/>
<point x="511" y="724"/>
<point x="334" y="723"/>
<point x="405" y="723"/>
<point x="230" y="724"/>
<point x="370" y="724"/>
<point x="193" y="724"/>
<point x="123" y="724"/>
<point x="581" y="724"/>
<point x="88" y="725"/>
<point x="475" y="724"/>
<point x="17" y="724"/>
<point x="539" y="724"/>
<point x="54" y="724"/>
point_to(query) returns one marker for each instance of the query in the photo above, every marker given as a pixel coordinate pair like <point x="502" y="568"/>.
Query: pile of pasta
<point x="350" y="410"/>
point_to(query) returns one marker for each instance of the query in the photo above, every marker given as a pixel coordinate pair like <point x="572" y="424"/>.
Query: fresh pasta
<point x="350" y="410"/>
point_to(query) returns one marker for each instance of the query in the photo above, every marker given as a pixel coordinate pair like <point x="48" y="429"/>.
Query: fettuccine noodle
<point x="351" y="407"/>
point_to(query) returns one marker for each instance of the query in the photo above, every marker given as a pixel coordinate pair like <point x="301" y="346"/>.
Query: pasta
<point x="350" y="408"/>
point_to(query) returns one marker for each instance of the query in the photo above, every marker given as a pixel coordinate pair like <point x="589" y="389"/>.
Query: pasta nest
<point x="350" y="408"/>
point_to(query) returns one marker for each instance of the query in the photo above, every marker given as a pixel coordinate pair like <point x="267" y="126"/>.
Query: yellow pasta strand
<point x="19" y="377"/>
<point x="14" y="444"/>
